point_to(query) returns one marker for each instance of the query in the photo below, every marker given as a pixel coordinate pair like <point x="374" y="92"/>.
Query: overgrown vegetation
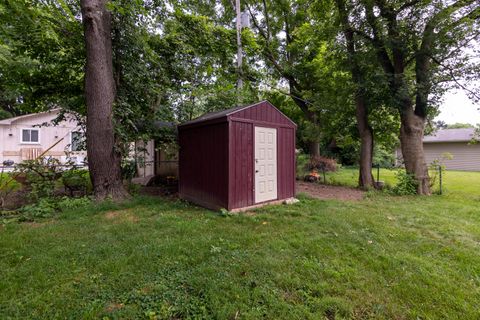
<point x="320" y="163"/>
<point x="46" y="186"/>
<point x="406" y="184"/>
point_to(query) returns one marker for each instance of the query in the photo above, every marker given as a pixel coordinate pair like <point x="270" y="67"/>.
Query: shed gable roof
<point x="450" y="135"/>
<point x="212" y="116"/>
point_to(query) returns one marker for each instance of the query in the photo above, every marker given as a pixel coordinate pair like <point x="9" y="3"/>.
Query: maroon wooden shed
<point x="237" y="158"/>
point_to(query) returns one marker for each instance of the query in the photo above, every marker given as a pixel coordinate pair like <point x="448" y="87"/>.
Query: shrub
<point x="302" y="160"/>
<point x="40" y="176"/>
<point x="129" y="169"/>
<point x="66" y="203"/>
<point x="44" y="208"/>
<point x="321" y="163"/>
<point x="77" y="180"/>
<point x="7" y="186"/>
<point x="406" y="185"/>
<point x="133" y="189"/>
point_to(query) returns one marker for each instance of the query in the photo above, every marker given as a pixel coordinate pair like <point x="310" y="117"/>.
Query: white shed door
<point x="265" y="164"/>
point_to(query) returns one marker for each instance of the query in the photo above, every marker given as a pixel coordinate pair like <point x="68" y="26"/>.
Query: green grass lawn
<point x="380" y="258"/>
<point x="455" y="183"/>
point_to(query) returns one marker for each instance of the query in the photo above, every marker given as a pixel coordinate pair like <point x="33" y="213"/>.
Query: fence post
<point x="440" y="178"/>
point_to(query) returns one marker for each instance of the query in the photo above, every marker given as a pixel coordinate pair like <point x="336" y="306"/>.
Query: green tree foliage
<point x="295" y="43"/>
<point x="41" y="55"/>
<point x="459" y="125"/>
<point x="422" y="48"/>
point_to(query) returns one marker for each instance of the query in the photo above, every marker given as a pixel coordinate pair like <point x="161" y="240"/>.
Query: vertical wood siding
<point x="242" y="167"/>
<point x="242" y="193"/>
<point x="264" y="112"/>
<point x="217" y="160"/>
<point x="203" y="165"/>
<point x="286" y="163"/>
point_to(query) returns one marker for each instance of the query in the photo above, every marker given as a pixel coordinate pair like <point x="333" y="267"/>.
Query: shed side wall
<point x="203" y="165"/>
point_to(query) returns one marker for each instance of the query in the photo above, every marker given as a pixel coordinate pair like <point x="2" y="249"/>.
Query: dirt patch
<point x="321" y="191"/>
<point x="121" y="216"/>
<point x="112" y="307"/>
<point x="162" y="191"/>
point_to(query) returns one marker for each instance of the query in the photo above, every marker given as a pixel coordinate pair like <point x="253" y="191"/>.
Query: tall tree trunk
<point x="104" y="160"/>
<point x="314" y="148"/>
<point x="411" y="140"/>
<point x="365" y="176"/>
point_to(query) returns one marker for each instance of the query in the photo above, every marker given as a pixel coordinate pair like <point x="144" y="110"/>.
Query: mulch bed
<point x="163" y="191"/>
<point x="322" y="191"/>
<point x="16" y="199"/>
<point x="314" y="190"/>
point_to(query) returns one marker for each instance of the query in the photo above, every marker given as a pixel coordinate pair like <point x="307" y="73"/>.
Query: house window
<point x="77" y="142"/>
<point x="30" y="136"/>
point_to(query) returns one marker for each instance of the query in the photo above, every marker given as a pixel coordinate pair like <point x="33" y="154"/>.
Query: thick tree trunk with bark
<point x="411" y="140"/>
<point x="104" y="160"/>
<point x="365" y="177"/>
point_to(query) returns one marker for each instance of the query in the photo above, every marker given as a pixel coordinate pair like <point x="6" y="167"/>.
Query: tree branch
<point x="454" y="79"/>
<point x="407" y="5"/>
<point x="378" y="42"/>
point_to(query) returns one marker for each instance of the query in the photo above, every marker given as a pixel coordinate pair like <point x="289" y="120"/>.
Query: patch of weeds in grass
<point x="225" y="213"/>
<point x="44" y="208"/>
<point x="67" y="203"/>
<point x="334" y="308"/>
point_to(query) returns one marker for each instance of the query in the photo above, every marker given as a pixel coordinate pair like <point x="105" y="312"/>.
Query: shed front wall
<point x="241" y="174"/>
<point x="203" y="165"/>
<point x="465" y="157"/>
<point x="263" y="112"/>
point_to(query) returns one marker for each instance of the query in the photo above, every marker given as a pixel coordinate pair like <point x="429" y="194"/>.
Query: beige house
<point x="453" y="148"/>
<point x="27" y="137"/>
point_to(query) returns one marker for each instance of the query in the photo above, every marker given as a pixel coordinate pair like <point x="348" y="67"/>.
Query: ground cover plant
<point x="383" y="257"/>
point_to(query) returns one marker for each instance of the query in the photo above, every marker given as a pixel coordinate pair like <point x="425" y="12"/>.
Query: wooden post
<point x="440" y="178"/>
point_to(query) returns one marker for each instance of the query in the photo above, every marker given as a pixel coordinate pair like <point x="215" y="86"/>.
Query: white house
<point x="27" y="137"/>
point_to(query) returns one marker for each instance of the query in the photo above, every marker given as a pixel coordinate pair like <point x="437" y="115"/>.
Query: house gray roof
<point x="450" y="135"/>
